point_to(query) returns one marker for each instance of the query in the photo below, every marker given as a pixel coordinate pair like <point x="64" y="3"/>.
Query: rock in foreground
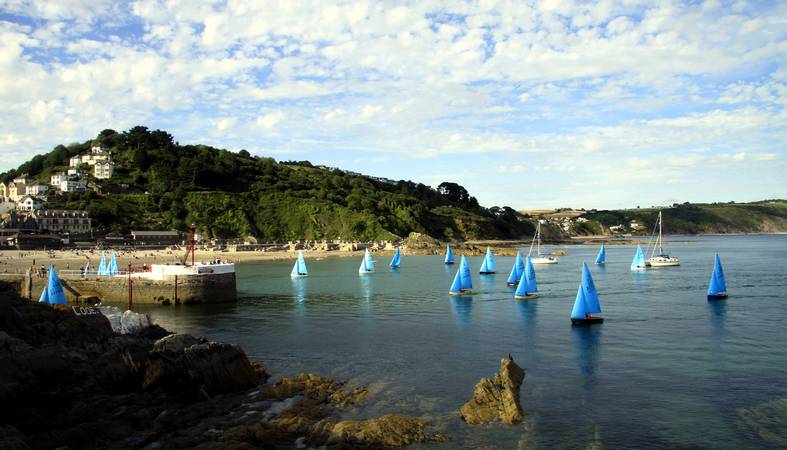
<point x="496" y="399"/>
<point x="392" y="430"/>
<point x="768" y="421"/>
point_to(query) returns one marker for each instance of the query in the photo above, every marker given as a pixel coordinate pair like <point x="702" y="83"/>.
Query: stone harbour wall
<point x="191" y="289"/>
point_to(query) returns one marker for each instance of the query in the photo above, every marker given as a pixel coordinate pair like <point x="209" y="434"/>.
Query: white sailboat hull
<point x="663" y="261"/>
<point x="300" y="275"/>
<point x="545" y="260"/>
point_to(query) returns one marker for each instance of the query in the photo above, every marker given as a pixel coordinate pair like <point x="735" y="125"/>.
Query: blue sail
<point x="639" y="259"/>
<point x="102" y="266"/>
<point x="490" y="260"/>
<point x="592" y="304"/>
<point x="302" y="264"/>
<point x="521" y="288"/>
<point x="580" y="309"/>
<point x="456" y="286"/>
<point x="396" y="261"/>
<point x="602" y="255"/>
<point x="44" y="298"/>
<point x="54" y="289"/>
<point x="113" y="265"/>
<point x="717" y="283"/>
<point x="484" y="267"/>
<point x="449" y="255"/>
<point x="530" y="277"/>
<point x="369" y="261"/>
<point x="294" y="272"/>
<point x="516" y="271"/>
<point x="464" y="269"/>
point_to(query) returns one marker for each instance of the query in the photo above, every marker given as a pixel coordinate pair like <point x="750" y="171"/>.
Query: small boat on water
<point x="463" y="282"/>
<point x="638" y="263"/>
<point x="527" y="288"/>
<point x="717" y="288"/>
<point x="516" y="271"/>
<point x="586" y="303"/>
<point x="488" y="266"/>
<point x="367" y="264"/>
<point x="449" y="255"/>
<point x="662" y="259"/>
<point x="396" y="261"/>
<point x="299" y="269"/>
<point x="602" y="256"/>
<point x="102" y="266"/>
<point x="53" y="294"/>
<point x="540" y="258"/>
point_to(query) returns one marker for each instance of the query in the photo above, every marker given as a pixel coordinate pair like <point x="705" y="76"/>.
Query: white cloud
<point x="270" y="120"/>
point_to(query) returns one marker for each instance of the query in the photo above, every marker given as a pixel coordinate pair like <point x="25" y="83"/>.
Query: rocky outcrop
<point x="191" y="366"/>
<point x="316" y="387"/>
<point x="392" y="430"/>
<point x="496" y="399"/>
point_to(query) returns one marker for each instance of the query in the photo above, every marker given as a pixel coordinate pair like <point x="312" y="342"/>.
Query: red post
<point x="192" y="242"/>
<point x="129" y="287"/>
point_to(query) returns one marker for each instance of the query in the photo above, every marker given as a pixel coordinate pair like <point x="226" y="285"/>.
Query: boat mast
<point x="661" y="219"/>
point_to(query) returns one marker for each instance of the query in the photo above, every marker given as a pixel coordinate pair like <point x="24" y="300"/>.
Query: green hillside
<point x="160" y="184"/>
<point x="766" y="216"/>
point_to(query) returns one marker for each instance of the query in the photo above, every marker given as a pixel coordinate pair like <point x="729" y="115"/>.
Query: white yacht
<point x="662" y="259"/>
<point x="540" y="258"/>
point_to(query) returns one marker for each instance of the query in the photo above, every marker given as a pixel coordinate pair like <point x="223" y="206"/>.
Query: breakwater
<point x="182" y="289"/>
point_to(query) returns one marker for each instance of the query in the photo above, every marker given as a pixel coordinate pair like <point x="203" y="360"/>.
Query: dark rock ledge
<point x="68" y="381"/>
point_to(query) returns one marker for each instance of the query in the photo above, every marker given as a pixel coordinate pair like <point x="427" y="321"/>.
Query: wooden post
<point x="129" y="287"/>
<point x="29" y="283"/>
<point x="176" y="290"/>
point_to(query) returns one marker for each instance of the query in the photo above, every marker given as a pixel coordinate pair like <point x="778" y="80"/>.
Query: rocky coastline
<point x="69" y="381"/>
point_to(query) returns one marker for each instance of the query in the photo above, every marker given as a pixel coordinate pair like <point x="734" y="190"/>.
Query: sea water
<point x="666" y="369"/>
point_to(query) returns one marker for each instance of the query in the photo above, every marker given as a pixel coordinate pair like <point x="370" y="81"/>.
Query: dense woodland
<point x="160" y="184"/>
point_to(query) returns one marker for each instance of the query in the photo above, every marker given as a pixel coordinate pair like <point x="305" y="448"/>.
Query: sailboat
<point x="662" y="259"/>
<point x="586" y="303"/>
<point x="717" y="289"/>
<point x="299" y="270"/>
<point x="516" y="271"/>
<point x="638" y="263"/>
<point x="463" y="282"/>
<point x="54" y="290"/>
<point x="602" y="256"/>
<point x="44" y="298"/>
<point x="527" y="287"/>
<point x="102" y="266"/>
<point x="449" y="255"/>
<point x="540" y="258"/>
<point x="112" y="267"/>
<point x="396" y="261"/>
<point x="488" y="266"/>
<point x="367" y="264"/>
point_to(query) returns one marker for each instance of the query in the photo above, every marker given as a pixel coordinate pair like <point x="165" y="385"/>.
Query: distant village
<point x="23" y="202"/>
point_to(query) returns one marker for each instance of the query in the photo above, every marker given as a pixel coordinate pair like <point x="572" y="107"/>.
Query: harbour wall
<point x="182" y="289"/>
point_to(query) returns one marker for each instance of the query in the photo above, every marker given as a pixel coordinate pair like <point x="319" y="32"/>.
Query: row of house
<point x="51" y="220"/>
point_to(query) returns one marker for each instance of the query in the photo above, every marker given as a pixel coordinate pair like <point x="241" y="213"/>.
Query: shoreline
<point x="18" y="261"/>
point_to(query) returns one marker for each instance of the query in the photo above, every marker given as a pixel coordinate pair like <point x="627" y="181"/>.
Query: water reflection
<point x="365" y="282"/>
<point x="586" y="346"/>
<point x="527" y="310"/>
<point x="717" y="315"/>
<point x="462" y="306"/>
<point x="640" y="278"/>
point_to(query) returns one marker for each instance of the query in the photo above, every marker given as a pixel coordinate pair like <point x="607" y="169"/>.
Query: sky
<point x="537" y="104"/>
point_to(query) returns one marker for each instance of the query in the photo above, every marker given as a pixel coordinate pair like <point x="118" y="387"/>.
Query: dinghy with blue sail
<point x="488" y="266"/>
<point x="102" y="266"/>
<point x="299" y="270"/>
<point x="54" y="290"/>
<point x="527" y="288"/>
<point x="717" y="289"/>
<point x="112" y="268"/>
<point x="367" y="264"/>
<point x="602" y="256"/>
<point x="516" y="271"/>
<point x="586" y="303"/>
<point x="396" y="261"/>
<point x="638" y="263"/>
<point x="449" y="255"/>
<point x="44" y="298"/>
<point x="463" y="282"/>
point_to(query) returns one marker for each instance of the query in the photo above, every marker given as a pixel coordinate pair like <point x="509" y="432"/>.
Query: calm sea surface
<point x="667" y="368"/>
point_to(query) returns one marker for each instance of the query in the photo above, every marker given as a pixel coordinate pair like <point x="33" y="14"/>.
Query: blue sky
<point x="549" y="104"/>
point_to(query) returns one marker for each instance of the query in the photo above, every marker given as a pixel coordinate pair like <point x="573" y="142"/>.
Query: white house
<point x="36" y="189"/>
<point x="22" y="179"/>
<point x="103" y="169"/>
<point x="75" y="161"/>
<point x="55" y="179"/>
<point x="29" y="203"/>
<point x="72" y="186"/>
<point x="3" y="191"/>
